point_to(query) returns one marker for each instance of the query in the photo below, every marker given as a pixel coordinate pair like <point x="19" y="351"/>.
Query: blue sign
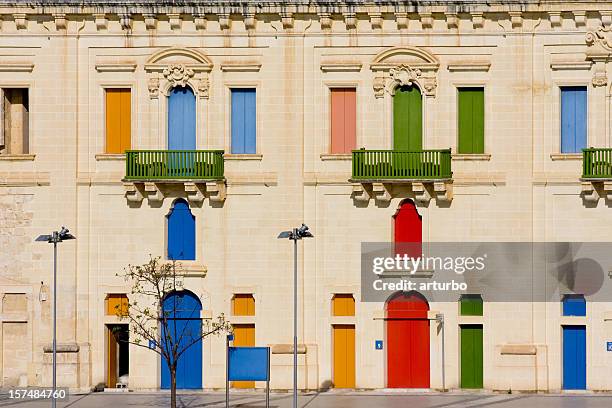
<point x="378" y="344"/>
<point x="152" y="344"/>
<point x="249" y="364"/>
<point x="609" y="346"/>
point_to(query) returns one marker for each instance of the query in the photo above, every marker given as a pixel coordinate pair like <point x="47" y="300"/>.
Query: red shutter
<point x="343" y="119"/>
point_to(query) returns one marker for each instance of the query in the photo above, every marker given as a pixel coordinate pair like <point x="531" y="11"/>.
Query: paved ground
<point x="325" y="400"/>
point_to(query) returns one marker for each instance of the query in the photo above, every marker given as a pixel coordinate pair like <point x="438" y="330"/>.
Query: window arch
<point x="180" y="232"/>
<point x="407" y="229"/>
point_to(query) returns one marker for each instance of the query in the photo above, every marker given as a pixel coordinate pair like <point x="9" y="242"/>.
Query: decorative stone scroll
<point x="178" y="74"/>
<point x="155" y="192"/>
<point x="599" y="51"/>
<point x="422" y="191"/>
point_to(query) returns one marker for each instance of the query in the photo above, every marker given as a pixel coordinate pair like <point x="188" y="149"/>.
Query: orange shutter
<point x="243" y="305"/>
<point x="118" y="120"/>
<point x="343" y="119"/>
<point x="116" y="304"/>
<point x="343" y="304"/>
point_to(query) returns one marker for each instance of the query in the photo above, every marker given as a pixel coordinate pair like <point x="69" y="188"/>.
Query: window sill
<point x="471" y="156"/>
<point x="565" y="156"/>
<point x="230" y="156"/>
<point x="17" y="157"/>
<point x="110" y="157"/>
<point x="336" y="156"/>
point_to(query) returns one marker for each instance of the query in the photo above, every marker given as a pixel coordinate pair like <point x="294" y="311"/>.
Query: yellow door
<point x="344" y="356"/>
<point x="111" y="358"/>
<point x="244" y="336"/>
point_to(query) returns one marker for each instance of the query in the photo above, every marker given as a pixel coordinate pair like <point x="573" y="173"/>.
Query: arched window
<point x="407" y="119"/>
<point x="181" y="232"/>
<point x="181" y="119"/>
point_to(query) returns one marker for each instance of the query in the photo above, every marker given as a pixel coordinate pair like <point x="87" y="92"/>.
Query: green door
<point x="471" y="356"/>
<point x="407" y="119"/>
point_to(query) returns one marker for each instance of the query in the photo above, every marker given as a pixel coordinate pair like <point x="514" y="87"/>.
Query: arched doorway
<point x="181" y="119"/>
<point x="408" y="119"/>
<point x="407" y="229"/>
<point x="407" y="340"/>
<point x="182" y="309"/>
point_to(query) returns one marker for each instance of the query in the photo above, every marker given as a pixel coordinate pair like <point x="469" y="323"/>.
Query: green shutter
<point x="470" y="305"/>
<point x="471" y="120"/>
<point x="407" y="119"/>
<point x="471" y="356"/>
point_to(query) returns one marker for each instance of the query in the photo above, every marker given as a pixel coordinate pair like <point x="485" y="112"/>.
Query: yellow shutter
<point x="116" y="303"/>
<point x="244" y="336"/>
<point x="243" y="305"/>
<point x="344" y="356"/>
<point x="343" y="304"/>
<point x="118" y="120"/>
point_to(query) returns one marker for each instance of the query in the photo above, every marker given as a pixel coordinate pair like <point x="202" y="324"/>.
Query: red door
<point x="407" y="230"/>
<point x="407" y="341"/>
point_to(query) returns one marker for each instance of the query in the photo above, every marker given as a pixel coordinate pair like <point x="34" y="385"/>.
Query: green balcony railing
<point x="597" y="163"/>
<point x="399" y="164"/>
<point x="173" y="164"/>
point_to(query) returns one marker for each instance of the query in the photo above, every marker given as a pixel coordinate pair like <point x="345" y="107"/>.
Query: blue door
<point x="181" y="119"/>
<point x="574" y="357"/>
<point x="182" y="309"/>
<point x="181" y="232"/>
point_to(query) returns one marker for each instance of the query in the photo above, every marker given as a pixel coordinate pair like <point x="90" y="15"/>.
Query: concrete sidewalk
<point x="375" y="399"/>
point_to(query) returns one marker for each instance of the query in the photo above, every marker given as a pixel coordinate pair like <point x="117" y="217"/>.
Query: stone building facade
<point x="61" y="60"/>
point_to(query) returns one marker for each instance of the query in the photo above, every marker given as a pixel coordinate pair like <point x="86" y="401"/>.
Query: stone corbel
<point x="401" y="19"/>
<point x="350" y="20"/>
<point x="452" y="21"/>
<point x="195" y="192"/>
<point x="477" y="20"/>
<point x="199" y="20"/>
<point x="381" y="192"/>
<point x="325" y="20"/>
<point x="360" y="193"/>
<point x="607" y="188"/>
<point x="216" y="191"/>
<point x="287" y="19"/>
<point x="150" y="20"/>
<point x="580" y="18"/>
<point x="60" y="21"/>
<point x="555" y="18"/>
<point x="443" y="191"/>
<point x="376" y="20"/>
<point x="224" y="21"/>
<point x="606" y="18"/>
<point x="21" y="21"/>
<point x="589" y="192"/>
<point x="101" y="21"/>
<point x="249" y="20"/>
<point x="516" y="18"/>
<point x="175" y="21"/>
<point x="154" y="192"/>
<point x="421" y="193"/>
<point x="426" y="20"/>
<point x="133" y="192"/>
<point x="125" y="20"/>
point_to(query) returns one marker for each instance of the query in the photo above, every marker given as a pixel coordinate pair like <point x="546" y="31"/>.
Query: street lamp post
<point x="54" y="239"/>
<point x="295" y="235"/>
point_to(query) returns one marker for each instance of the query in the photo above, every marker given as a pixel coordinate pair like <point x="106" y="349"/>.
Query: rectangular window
<point x="470" y="305"/>
<point x="343" y="304"/>
<point x="343" y="120"/>
<point x="573" y="119"/>
<point x="243" y="304"/>
<point x="14" y="136"/>
<point x="118" y="120"/>
<point x="471" y="120"/>
<point x="244" y="121"/>
<point x="116" y="304"/>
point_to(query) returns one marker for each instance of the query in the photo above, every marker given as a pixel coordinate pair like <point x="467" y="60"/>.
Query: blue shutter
<point x="574" y="305"/>
<point x="181" y="119"/>
<point x="244" y="121"/>
<point x="573" y="119"/>
<point x="181" y="232"/>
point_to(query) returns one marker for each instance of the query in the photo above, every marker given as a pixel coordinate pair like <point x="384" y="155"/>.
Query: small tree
<point x="152" y="324"/>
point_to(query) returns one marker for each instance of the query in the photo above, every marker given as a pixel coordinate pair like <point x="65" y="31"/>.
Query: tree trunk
<point x="173" y="387"/>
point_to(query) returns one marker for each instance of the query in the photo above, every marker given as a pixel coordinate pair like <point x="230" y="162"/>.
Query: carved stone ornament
<point x="203" y="87"/>
<point x="599" y="37"/>
<point x="153" y="87"/>
<point x="600" y="79"/>
<point x="379" y="87"/>
<point x="178" y="74"/>
<point x="404" y="75"/>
